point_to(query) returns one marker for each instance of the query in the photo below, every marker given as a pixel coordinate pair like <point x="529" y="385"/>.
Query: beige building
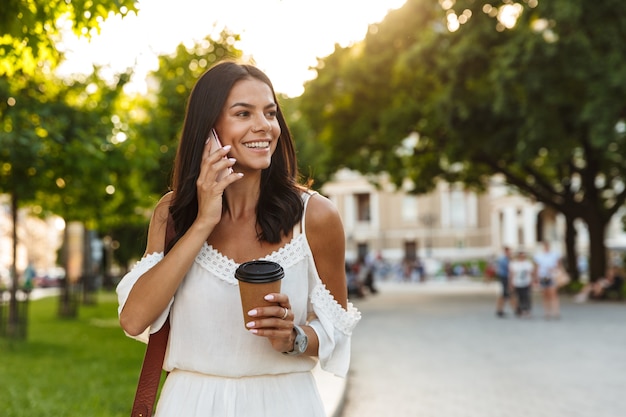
<point x="449" y="224"/>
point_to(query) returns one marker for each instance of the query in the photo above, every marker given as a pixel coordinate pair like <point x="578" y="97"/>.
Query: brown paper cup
<point x="256" y="280"/>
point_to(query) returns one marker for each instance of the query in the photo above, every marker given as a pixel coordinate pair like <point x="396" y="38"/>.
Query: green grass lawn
<point x="82" y="367"/>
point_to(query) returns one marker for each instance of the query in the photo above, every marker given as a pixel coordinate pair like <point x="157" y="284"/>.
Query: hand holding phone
<point x="214" y="145"/>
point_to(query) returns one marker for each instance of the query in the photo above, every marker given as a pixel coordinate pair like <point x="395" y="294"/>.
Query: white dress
<point x="219" y="369"/>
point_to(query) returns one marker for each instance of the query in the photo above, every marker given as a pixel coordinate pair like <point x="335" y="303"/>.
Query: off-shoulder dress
<point x="216" y="367"/>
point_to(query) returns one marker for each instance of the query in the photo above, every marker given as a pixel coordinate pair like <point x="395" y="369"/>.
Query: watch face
<point x="303" y="341"/>
<point x="300" y="343"/>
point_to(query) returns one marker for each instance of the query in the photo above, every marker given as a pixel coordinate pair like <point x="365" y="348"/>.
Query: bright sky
<point x="284" y="36"/>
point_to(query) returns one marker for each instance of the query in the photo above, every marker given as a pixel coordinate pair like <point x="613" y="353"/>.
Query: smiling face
<point x="249" y="124"/>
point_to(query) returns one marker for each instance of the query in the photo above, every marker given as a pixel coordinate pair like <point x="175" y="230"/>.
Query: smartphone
<point x="215" y="144"/>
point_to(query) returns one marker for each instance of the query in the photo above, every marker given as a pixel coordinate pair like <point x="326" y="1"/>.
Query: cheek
<point x="276" y="130"/>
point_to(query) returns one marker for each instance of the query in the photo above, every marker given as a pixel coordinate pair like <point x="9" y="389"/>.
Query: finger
<point x="205" y="162"/>
<point x="220" y="152"/>
<point x="223" y="167"/>
<point x="280" y="298"/>
<point x="214" y="163"/>
<point x="270" y="326"/>
<point x="275" y="311"/>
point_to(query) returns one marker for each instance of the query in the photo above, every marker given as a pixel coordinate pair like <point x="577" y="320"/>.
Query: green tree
<point x="64" y="151"/>
<point x="92" y="177"/>
<point x="28" y="35"/>
<point x="310" y="152"/>
<point x="156" y="128"/>
<point x="533" y="91"/>
<point x="29" y="29"/>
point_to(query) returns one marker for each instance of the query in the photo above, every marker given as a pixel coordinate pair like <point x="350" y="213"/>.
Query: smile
<point x="258" y="145"/>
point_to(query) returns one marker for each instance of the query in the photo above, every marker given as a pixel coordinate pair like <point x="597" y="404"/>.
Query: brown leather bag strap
<point x="152" y="367"/>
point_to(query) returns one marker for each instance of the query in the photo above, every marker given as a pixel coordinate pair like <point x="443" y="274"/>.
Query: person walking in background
<point x="366" y="273"/>
<point x="521" y="273"/>
<point x="502" y="274"/>
<point x="548" y="262"/>
<point x="223" y="218"/>
<point x="612" y="281"/>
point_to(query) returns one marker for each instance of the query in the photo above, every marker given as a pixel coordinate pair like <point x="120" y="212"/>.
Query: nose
<point x="262" y="124"/>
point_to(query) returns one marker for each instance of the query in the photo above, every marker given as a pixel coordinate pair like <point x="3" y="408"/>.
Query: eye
<point x="271" y="112"/>
<point x="243" y="113"/>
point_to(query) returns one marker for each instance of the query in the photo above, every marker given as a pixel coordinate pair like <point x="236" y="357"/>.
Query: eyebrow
<point x="246" y="105"/>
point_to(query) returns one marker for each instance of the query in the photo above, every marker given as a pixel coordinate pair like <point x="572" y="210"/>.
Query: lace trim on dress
<point x="344" y="320"/>
<point x="148" y="261"/>
<point x="224" y="267"/>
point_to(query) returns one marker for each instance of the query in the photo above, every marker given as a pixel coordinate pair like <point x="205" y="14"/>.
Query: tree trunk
<point x="571" y="263"/>
<point x="13" y="323"/>
<point x="597" y="250"/>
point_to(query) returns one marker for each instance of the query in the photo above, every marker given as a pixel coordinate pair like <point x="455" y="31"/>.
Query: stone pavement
<point x="437" y="350"/>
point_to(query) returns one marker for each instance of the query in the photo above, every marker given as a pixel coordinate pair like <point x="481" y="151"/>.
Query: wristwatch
<point x="301" y="342"/>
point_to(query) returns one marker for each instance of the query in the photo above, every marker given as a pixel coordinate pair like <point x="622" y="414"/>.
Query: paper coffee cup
<point x="256" y="280"/>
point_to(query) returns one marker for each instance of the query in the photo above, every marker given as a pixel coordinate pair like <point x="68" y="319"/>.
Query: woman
<point x="548" y="264"/>
<point x="256" y="211"/>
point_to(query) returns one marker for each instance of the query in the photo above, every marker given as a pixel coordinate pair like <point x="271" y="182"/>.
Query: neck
<point x="242" y="197"/>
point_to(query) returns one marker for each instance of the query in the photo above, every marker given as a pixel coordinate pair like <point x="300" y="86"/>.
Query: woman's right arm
<point x="151" y="294"/>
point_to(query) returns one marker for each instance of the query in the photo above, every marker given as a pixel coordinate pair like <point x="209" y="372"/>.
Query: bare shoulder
<point x="321" y="213"/>
<point x="158" y="224"/>
<point x="161" y="211"/>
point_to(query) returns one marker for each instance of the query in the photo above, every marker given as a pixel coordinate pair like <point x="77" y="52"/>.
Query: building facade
<point x="449" y="224"/>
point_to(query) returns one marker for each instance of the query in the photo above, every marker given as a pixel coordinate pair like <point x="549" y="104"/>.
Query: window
<point x="458" y="215"/>
<point x="409" y="208"/>
<point x="363" y="207"/>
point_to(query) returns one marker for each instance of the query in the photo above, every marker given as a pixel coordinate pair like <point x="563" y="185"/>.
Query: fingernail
<point x="250" y="324"/>
<point x="252" y="312"/>
<point x="269" y="297"/>
<point x="227" y="147"/>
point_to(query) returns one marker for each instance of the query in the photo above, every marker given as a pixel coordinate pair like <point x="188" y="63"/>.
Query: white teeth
<point x="257" y="145"/>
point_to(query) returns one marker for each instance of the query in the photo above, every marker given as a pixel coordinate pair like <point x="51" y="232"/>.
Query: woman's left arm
<point x="327" y="241"/>
<point x="335" y="317"/>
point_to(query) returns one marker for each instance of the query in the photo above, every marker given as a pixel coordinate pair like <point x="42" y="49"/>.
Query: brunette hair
<point x="280" y="205"/>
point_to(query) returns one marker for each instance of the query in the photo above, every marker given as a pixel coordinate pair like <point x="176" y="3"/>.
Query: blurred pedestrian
<point x="521" y="274"/>
<point x="29" y="276"/>
<point x="502" y="273"/>
<point x="548" y="263"/>
<point x="355" y="286"/>
<point x="611" y="281"/>
<point x="366" y="273"/>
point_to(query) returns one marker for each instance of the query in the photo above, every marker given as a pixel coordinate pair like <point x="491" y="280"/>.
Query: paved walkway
<point x="437" y="350"/>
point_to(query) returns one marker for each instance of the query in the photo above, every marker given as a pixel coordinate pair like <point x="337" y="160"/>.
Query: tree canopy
<point x="157" y="124"/>
<point x="464" y="90"/>
<point x="29" y="30"/>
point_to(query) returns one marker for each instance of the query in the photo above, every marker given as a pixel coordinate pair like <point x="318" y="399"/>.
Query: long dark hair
<point x="280" y="206"/>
